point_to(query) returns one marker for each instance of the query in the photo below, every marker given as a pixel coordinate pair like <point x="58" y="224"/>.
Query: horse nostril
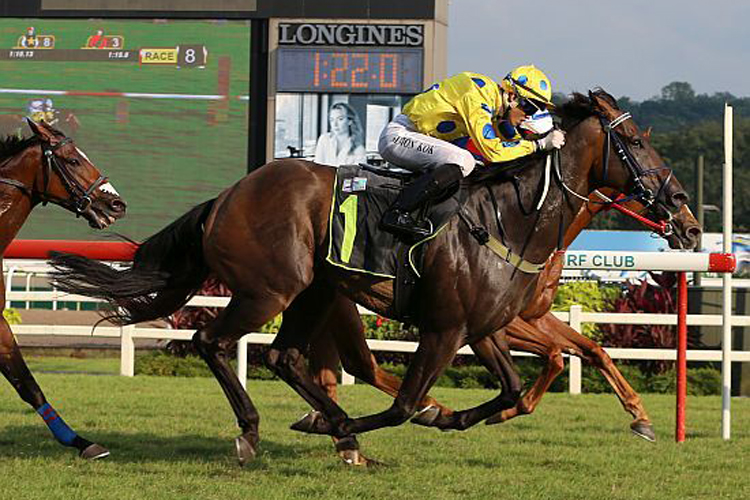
<point x="679" y="199"/>
<point x="694" y="233"/>
<point x="117" y="205"/>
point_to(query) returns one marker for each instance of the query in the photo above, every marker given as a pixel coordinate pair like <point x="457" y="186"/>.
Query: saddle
<point x="362" y="193"/>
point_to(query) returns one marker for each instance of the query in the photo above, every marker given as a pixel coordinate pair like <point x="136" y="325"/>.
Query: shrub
<point x="641" y="297"/>
<point x="591" y="295"/>
<point x="12" y="316"/>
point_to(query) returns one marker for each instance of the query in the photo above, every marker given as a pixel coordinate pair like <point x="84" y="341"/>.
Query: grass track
<point x="172" y="438"/>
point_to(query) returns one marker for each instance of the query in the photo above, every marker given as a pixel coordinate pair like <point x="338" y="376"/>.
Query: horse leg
<point x="15" y="370"/>
<point x="434" y="354"/>
<point x="356" y="357"/>
<point x="302" y="321"/>
<point x="585" y="348"/>
<point x="241" y="315"/>
<point x="525" y="337"/>
<point x="494" y="353"/>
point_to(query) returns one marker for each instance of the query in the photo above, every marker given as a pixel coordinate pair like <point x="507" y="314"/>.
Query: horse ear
<point x="41" y="130"/>
<point x="647" y="133"/>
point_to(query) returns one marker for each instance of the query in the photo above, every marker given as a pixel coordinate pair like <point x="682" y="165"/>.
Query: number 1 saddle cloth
<point x="360" y="196"/>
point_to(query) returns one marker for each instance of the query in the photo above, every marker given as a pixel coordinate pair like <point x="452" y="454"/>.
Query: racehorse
<point x="47" y="167"/>
<point x="266" y="238"/>
<point x="535" y="330"/>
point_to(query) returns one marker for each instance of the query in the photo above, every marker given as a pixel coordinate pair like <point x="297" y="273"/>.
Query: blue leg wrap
<point x="57" y="425"/>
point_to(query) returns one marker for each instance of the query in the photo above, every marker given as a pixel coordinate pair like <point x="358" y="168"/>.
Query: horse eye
<point x="637" y="143"/>
<point x="74" y="161"/>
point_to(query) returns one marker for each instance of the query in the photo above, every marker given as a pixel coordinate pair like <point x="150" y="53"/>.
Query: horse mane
<point x="12" y="145"/>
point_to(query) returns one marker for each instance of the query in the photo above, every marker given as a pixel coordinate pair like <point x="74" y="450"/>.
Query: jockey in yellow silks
<point x="447" y="129"/>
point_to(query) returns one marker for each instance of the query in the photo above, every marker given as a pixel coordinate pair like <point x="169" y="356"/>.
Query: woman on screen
<point x="344" y="143"/>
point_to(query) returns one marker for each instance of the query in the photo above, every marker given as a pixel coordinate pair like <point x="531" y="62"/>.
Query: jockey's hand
<point x="515" y="116"/>
<point x="553" y="140"/>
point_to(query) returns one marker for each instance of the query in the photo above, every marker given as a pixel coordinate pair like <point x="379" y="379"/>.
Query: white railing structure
<point x="576" y="317"/>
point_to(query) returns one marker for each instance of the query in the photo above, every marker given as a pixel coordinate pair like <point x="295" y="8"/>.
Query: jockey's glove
<point x="553" y="140"/>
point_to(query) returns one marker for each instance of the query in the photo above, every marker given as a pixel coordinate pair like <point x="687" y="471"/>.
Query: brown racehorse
<point x="47" y="167"/>
<point x="266" y="238"/>
<point x="535" y="330"/>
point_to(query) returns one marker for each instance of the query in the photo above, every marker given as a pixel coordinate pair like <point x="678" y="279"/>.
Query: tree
<point x="677" y="91"/>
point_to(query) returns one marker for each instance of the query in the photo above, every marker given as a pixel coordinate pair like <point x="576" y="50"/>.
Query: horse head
<point x="629" y="164"/>
<point x="67" y="177"/>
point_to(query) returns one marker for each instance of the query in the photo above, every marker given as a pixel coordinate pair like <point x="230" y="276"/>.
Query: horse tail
<point x="167" y="270"/>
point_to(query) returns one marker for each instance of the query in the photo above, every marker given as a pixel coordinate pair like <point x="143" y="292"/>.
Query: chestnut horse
<point x="266" y="238"/>
<point x="535" y="330"/>
<point x="47" y="167"/>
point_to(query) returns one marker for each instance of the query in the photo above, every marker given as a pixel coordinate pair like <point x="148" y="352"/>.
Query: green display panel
<point x="160" y="106"/>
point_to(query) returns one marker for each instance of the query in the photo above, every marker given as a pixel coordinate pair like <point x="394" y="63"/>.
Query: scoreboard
<point x="366" y="69"/>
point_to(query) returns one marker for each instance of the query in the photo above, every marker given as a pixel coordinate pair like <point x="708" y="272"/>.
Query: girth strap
<point x="484" y="238"/>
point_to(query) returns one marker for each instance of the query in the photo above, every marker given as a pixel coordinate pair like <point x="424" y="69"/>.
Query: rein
<point x="80" y="197"/>
<point x="641" y="193"/>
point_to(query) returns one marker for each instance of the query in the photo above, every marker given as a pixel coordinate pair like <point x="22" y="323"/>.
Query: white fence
<point x="19" y="272"/>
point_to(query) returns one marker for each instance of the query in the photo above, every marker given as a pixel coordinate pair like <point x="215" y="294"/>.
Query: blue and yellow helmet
<point x="529" y="82"/>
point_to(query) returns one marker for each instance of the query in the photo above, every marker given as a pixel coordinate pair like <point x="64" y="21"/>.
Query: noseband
<point x="80" y="197"/>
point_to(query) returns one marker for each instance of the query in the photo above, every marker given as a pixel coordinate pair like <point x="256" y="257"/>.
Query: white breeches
<point x="402" y="145"/>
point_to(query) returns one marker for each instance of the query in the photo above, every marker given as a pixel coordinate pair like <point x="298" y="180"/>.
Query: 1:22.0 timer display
<point x="369" y="70"/>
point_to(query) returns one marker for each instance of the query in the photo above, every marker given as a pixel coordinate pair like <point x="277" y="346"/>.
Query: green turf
<point x="168" y="155"/>
<point x="97" y="365"/>
<point x="172" y="438"/>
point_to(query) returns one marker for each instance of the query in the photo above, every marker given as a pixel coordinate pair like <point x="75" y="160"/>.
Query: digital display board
<point x="160" y="106"/>
<point x="391" y="70"/>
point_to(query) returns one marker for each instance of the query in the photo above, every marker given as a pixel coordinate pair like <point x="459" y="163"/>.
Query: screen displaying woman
<point x="344" y="143"/>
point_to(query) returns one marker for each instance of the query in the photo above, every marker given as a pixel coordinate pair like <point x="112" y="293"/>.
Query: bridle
<point x="640" y="193"/>
<point x="80" y="196"/>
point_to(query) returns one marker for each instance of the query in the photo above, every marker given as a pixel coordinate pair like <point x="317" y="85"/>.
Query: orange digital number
<point x="316" y="71"/>
<point x="393" y="73"/>
<point x="340" y="71"/>
<point x="360" y="70"/>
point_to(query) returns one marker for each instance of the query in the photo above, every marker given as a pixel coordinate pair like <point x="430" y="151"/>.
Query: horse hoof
<point x="313" y="422"/>
<point x="245" y="450"/>
<point x="94" y="452"/>
<point x="356" y="459"/>
<point x="427" y="416"/>
<point x="644" y="430"/>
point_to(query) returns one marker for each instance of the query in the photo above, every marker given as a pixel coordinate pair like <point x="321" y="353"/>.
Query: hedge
<point x="704" y="380"/>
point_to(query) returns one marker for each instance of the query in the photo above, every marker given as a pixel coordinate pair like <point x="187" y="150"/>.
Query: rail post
<point x="726" y="343"/>
<point x="127" y="351"/>
<point x="679" y="433"/>
<point x="242" y="361"/>
<point x="574" y="382"/>
<point x="346" y="378"/>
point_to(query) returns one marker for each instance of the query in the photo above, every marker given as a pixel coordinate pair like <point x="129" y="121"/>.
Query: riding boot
<point x="428" y="186"/>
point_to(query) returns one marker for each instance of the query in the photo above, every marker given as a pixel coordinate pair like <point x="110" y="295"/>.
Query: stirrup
<point x="403" y="224"/>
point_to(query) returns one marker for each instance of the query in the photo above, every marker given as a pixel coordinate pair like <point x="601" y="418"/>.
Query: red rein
<point x="663" y="228"/>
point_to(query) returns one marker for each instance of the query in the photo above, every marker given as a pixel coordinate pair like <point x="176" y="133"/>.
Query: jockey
<point x="29" y="40"/>
<point x="35" y="110"/>
<point x="445" y="130"/>
<point x="50" y="113"/>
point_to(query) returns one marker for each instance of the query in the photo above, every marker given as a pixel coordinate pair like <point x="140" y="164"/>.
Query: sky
<point x="628" y="47"/>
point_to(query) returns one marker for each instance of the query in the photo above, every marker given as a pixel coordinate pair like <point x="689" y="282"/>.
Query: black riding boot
<point x="398" y="219"/>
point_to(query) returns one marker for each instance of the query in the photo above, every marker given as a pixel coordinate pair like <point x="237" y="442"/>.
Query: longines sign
<point x="391" y="35"/>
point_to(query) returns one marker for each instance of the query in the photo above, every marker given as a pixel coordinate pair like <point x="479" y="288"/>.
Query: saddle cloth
<point x="360" y="196"/>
